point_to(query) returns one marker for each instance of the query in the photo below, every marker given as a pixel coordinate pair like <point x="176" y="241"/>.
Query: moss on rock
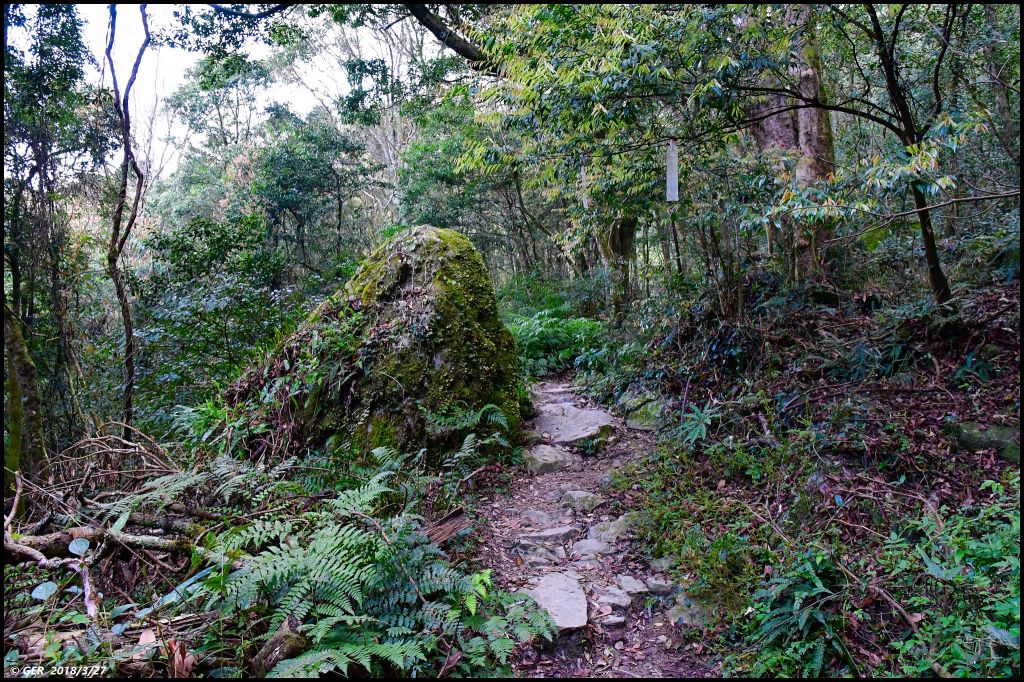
<point x="417" y="334"/>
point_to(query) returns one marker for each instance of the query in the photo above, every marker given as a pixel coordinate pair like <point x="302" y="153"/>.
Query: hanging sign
<point x="583" y="183"/>
<point x="672" y="172"/>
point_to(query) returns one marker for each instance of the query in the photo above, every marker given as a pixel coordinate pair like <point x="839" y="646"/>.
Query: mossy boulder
<point x="407" y="354"/>
<point x="644" y="411"/>
<point x="1004" y="440"/>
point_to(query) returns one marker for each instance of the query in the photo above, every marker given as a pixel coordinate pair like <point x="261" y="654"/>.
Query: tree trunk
<point x="936" y="278"/>
<point x="69" y="366"/>
<point x="617" y="250"/>
<point x="909" y="134"/>
<point x="666" y="247"/>
<point x="340" y="220"/>
<point x="15" y="426"/>
<point x="128" y="411"/>
<point x="1007" y="130"/>
<point x="778" y="133"/>
<point x="675" y="244"/>
<point x="817" y="149"/>
<point x="23" y="389"/>
<point x="807" y="133"/>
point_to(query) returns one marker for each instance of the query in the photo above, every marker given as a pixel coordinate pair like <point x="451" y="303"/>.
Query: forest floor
<point x="562" y="534"/>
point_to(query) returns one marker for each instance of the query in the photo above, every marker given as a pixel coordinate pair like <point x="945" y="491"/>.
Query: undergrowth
<point x="810" y="491"/>
<point x="550" y="332"/>
<point x="549" y="343"/>
<point x="330" y="552"/>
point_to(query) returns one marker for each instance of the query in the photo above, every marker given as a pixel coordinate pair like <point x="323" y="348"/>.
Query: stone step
<point x="546" y="459"/>
<point x="553" y="388"/>
<point x="565" y="424"/>
<point x="563" y="598"/>
<point x="582" y="500"/>
<point x="558" y="534"/>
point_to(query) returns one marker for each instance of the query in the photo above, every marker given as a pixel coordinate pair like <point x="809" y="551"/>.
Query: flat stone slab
<point x="615" y="598"/>
<point x="540" y="555"/>
<point x="588" y="549"/>
<point x="581" y="499"/>
<point x="558" y="534"/>
<point x="566" y="424"/>
<point x="609" y="531"/>
<point x="537" y="519"/>
<point x="563" y="598"/>
<point x="660" y="587"/>
<point x="630" y="585"/>
<point x="552" y="389"/>
<point x="546" y="459"/>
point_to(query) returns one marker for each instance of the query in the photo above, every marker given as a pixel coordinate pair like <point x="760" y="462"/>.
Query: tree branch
<point x="478" y="59"/>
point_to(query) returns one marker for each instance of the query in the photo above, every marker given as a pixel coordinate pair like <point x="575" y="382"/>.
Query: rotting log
<point x="444" y="528"/>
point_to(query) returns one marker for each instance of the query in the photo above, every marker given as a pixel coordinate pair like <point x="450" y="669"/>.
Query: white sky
<point x="162" y="70"/>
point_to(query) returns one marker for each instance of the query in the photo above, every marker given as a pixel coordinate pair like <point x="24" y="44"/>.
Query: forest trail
<point x="562" y="533"/>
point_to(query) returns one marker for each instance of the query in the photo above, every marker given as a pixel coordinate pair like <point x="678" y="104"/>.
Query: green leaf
<point x="78" y="546"/>
<point x="44" y="591"/>
<point x="121" y="522"/>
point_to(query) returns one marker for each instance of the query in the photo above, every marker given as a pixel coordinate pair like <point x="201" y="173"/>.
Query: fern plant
<point x="462" y="419"/>
<point x="795" y="626"/>
<point x="369" y="593"/>
<point x="549" y="342"/>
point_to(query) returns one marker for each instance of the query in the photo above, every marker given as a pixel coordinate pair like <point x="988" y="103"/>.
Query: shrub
<point x="549" y="343"/>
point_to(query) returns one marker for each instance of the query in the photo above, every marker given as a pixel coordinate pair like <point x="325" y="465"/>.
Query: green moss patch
<point x="414" y="334"/>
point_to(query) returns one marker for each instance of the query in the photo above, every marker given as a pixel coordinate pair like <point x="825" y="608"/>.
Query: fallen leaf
<point x="146" y="638"/>
<point x="182" y="662"/>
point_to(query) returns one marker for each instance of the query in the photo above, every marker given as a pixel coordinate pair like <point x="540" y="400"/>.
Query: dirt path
<point x="560" y="533"/>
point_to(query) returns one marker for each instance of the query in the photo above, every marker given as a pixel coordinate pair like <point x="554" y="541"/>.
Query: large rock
<point x="659" y="586"/>
<point x="563" y="597"/>
<point x="591" y="549"/>
<point x="413" y="337"/>
<point x="1004" y="440"/>
<point x="631" y="585"/>
<point x="615" y="597"/>
<point x="644" y="410"/>
<point x="582" y="500"/>
<point x="566" y="424"/>
<point x="557" y="535"/>
<point x="537" y="519"/>
<point x="610" y="531"/>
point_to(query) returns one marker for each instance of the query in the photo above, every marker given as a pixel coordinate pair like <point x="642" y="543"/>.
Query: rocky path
<point x="561" y="534"/>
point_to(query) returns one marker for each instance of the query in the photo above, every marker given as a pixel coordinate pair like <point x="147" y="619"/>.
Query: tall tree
<point x="125" y="215"/>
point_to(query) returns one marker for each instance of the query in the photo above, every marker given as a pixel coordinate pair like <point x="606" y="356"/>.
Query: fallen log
<point x="449" y="525"/>
<point x="56" y="544"/>
<point x="47" y="550"/>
